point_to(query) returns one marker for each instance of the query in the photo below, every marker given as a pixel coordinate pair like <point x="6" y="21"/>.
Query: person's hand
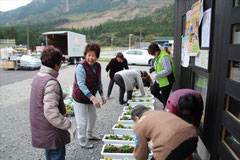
<point x="104" y="101"/>
<point x="154" y="77"/>
<point x="72" y="131"/>
<point x="95" y="101"/>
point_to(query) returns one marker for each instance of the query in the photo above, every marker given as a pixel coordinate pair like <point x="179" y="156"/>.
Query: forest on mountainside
<point x="159" y="23"/>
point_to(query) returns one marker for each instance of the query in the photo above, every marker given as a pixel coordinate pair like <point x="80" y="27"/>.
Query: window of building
<point x="232" y="107"/>
<point x="236" y="33"/>
<point x="200" y="85"/>
<point x="231" y="142"/>
<point x="234" y="72"/>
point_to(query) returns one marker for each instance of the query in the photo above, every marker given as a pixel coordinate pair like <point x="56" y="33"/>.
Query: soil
<point x="117" y="150"/>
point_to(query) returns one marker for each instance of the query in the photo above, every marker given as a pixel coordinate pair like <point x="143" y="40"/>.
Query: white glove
<point x="72" y="131"/>
<point x="103" y="100"/>
<point x="95" y="102"/>
<point x="154" y="77"/>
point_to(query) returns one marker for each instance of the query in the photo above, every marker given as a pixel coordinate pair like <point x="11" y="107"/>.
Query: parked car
<point x="138" y="56"/>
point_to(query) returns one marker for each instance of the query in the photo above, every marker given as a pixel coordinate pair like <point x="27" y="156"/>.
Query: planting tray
<point x="117" y="155"/>
<point x="125" y="109"/>
<point x="130" y="122"/>
<point x="120" y="155"/>
<point x="150" y="96"/>
<point x="122" y="131"/>
<point x="145" y="103"/>
<point x="107" y="141"/>
<point x="125" y="115"/>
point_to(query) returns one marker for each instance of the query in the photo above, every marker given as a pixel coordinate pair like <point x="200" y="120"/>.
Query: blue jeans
<point x="55" y="154"/>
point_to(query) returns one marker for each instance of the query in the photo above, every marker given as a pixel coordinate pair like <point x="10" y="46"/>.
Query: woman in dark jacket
<point x="116" y="64"/>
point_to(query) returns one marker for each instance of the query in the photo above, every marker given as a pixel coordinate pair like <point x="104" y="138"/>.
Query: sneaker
<point x="94" y="138"/>
<point x="87" y="146"/>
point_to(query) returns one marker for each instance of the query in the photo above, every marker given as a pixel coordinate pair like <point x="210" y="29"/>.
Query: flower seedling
<point x="148" y="100"/>
<point x="119" y="125"/>
<point x="128" y="112"/>
<point x="148" y="108"/>
<point x="113" y="137"/>
<point x="126" y="149"/>
<point x="129" y="108"/>
<point x="129" y="127"/>
<point x="125" y="118"/>
<point x="110" y="148"/>
<point x="141" y="100"/>
<point x="127" y="138"/>
<point x="133" y="100"/>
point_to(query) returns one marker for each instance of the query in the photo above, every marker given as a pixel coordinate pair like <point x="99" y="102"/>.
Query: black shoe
<point x="124" y="102"/>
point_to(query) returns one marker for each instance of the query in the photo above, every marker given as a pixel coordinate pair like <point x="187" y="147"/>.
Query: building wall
<point x="218" y="87"/>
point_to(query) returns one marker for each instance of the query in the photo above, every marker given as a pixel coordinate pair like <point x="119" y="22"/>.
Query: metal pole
<point x="27" y="37"/>
<point x="140" y="37"/>
<point x="130" y="41"/>
<point x="112" y="40"/>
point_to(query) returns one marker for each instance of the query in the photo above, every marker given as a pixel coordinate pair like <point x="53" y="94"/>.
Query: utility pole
<point x="140" y="37"/>
<point x="130" y="35"/>
<point x="112" y="40"/>
<point x="28" y="37"/>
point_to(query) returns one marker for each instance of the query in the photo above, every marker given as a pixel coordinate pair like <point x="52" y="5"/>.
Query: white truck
<point x="71" y="44"/>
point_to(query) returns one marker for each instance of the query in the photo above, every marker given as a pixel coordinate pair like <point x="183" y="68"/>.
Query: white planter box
<point x="139" y="96"/>
<point x="117" y="155"/>
<point x="125" y="109"/>
<point x="145" y="103"/>
<point x="112" y="159"/>
<point x="125" y="113"/>
<point x="130" y="122"/>
<point x="107" y="141"/>
<point x="122" y="131"/>
<point x="138" y="93"/>
<point x="121" y="156"/>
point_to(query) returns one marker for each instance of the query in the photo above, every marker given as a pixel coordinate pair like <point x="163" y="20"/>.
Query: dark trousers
<point x="55" y="154"/>
<point x="165" y="91"/>
<point x="110" y="86"/>
<point x="184" y="150"/>
<point x="120" y="82"/>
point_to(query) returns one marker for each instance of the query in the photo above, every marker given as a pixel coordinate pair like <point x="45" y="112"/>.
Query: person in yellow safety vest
<point x="165" y="73"/>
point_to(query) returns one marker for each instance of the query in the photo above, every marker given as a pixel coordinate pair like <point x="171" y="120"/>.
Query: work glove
<point x="95" y="101"/>
<point x="72" y="131"/>
<point x="103" y="100"/>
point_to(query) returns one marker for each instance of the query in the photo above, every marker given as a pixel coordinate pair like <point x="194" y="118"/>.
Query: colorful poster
<point x="206" y="25"/>
<point x="185" y="58"/>
<point x="201" y="60"/>
<point x="188" y="19"/>
<point x="193" y="46"/>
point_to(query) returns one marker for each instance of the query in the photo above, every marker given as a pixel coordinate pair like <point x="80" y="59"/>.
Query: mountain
<point x="79" y="13"/>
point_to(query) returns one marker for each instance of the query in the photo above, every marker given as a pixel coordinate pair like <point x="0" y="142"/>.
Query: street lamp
<point x="130" y="35"/>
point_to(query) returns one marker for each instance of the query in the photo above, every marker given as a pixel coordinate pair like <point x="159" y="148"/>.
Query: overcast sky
<point x="6" y="5"/>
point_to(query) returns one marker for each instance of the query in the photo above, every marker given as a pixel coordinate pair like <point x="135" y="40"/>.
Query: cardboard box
<point x="8" y="64"/>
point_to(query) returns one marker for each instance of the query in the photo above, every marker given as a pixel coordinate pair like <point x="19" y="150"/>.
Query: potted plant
<point x="118" y="139"/>
<point x="118" y="151"/>
<point x="141" y="101"/>
<point x="126" y="120"/>
<point x="121" y="129"/>
<point x="128" y="113"/>
<point x="126" y="109"/>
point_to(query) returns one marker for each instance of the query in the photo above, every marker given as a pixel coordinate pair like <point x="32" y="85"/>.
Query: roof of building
<point x="164" y="38"/>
